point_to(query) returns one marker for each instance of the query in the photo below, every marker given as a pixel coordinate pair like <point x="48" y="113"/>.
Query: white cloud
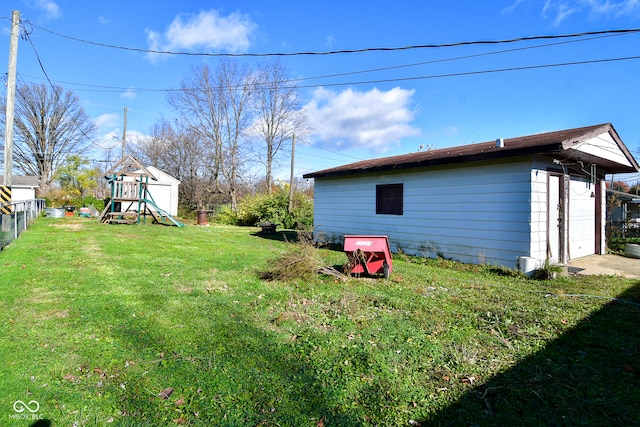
<point x="208" y="30"/>
<point x="375" y="120"/>
<point x="49" y="7"/>
<point x="509" y="9"/>
<point x="103" y="20"/>
<point x="107" y="120"/>
<point x="330" y="41"/>
<point x="561" y="10"/>
<point x="129" y="94"/>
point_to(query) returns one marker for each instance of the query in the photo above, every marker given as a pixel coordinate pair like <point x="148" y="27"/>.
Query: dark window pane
<point x="389" y="199"/>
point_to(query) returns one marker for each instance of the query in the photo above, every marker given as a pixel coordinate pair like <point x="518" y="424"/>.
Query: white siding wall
<point x="476" y="213"/>
<point x="20" y="194"/>
<point x="539" y="216"/>
<point x="162" y="195"/>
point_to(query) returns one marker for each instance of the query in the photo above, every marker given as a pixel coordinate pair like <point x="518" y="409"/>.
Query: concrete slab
<point x="607" y="265"/>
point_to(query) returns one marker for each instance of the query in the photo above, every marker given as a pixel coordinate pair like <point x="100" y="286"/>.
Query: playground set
<point x="131" y="202"/>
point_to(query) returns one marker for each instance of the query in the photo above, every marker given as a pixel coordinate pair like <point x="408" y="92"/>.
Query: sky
<point x="442" y="90"/>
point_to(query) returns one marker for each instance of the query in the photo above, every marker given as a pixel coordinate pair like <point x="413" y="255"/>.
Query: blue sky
<point x="361" y="105"/>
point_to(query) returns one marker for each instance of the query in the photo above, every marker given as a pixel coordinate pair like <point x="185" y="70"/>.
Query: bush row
<point x="274" y="207"/>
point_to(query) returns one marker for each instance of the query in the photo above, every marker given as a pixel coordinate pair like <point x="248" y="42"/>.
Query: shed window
<point x="389" y="199"/>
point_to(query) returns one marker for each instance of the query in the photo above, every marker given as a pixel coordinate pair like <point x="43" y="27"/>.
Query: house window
<point x="389" y="199"/>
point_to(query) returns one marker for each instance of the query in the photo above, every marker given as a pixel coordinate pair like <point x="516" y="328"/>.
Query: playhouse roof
<point x="129" y="166"/>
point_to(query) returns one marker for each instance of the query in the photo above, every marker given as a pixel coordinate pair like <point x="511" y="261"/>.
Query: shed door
<point x="555" y="222"/>
<point x="582" y="218"/>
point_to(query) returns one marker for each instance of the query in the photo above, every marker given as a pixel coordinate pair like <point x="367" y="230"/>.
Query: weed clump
<point x="301" y="261"/>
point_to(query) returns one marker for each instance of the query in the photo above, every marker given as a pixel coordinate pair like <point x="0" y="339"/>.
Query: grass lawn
<point x="106" y="325"/>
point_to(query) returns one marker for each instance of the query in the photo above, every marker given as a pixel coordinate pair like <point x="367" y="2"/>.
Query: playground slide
<point x="162" y="214"/>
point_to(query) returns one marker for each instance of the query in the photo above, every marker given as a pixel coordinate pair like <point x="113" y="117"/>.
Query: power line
<point x="399" y="79"/>
<point x="345" y="51"/>
<point x="371" y="70"/>
<point x="27" y="36"/>
<point x="471" y="73"/>
<point x="436" y="61"/>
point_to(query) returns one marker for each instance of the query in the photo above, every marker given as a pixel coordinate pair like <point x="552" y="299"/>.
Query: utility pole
<point x="124" y="131"/>
<point x="291" y="187"/>
<point x="11" y="96"/>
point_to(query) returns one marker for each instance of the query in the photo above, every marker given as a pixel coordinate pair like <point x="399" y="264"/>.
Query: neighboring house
<point x="623" y="209"/>
<point x="515" y="201"/>
<point x="22" y="187"/>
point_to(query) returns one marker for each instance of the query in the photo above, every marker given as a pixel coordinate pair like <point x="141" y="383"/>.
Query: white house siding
<point x="476" y="213"/>
<point x="21" y="194"/>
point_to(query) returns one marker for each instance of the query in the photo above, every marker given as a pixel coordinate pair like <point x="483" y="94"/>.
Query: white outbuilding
<point x="164" y="190"/>
<point x="510" y="202"/>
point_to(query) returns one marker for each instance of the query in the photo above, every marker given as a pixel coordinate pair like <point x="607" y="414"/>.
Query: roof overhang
<point x="597" y="145"/>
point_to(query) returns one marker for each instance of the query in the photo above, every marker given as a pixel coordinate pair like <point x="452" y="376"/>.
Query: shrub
<point x="271" y="208"/>
<point x="89" y="201"/>
<point x="617" y="244"/>
<point x="224" y="215"/>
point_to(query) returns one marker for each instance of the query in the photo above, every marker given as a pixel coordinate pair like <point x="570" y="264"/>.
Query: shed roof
<point x="564" y="145"/>
<point x="23" y="181"/>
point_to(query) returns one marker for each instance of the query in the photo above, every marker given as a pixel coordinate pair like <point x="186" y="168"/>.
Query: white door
<point x="582" y="218"/>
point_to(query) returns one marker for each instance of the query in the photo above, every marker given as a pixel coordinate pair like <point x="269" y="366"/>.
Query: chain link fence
<point x="13" y="224"/>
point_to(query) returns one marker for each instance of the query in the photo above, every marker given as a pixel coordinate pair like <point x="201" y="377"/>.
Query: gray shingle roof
<point x="549" y="143"/>
<point x="23" y="181"/>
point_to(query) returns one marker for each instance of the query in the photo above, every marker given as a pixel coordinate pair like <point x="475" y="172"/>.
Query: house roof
<point x="598" y="144"/>
<point x="625" y="197"/>
<point x="23" y="181"/>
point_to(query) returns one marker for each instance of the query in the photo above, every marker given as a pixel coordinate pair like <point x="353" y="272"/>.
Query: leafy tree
<point x="618" y="186"/>
<point x="76" y="178"/>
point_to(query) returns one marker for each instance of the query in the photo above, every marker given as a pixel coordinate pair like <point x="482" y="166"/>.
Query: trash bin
<point x="202" y="217"/>
<point x="368" y="254"/>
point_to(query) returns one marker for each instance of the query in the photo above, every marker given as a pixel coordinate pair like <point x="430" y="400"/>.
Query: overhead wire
<point x="586" y="36"/>
<point x="26" y="36"/>
<point x="344" y="51"/>
<point x="611" y="33"/>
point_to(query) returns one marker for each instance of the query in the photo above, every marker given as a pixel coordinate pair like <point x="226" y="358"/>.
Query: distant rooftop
<point x="25" y="181"/>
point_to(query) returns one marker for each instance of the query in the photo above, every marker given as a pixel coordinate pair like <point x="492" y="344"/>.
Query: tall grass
<point x="160" y="326"/>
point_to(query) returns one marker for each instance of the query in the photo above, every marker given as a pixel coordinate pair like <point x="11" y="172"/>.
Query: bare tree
<point x="279" y="115"/>
<point x="214" y="104"/>
<point x="198" y="104"/>
<point x="50" y="124"/>
<point x="236" y="90"/>
<point x="177" y="151"/>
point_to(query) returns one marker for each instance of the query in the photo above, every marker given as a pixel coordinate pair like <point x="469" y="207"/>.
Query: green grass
<point x="98" y="320"/>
